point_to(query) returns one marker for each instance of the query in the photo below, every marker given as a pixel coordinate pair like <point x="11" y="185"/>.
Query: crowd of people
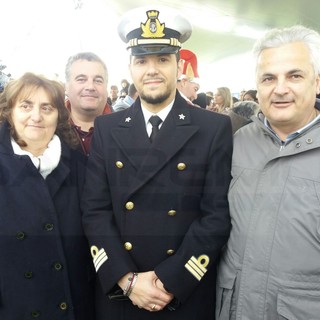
<point x="155" y="200"/>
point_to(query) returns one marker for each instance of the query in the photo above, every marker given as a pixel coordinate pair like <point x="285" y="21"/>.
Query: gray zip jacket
<point x="270" y="268"/>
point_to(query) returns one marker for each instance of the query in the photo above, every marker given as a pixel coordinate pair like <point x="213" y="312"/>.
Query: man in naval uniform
<point x="155" y="201"/>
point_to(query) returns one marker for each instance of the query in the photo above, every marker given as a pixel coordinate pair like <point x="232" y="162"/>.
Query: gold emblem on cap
<point x="152" y="28"/>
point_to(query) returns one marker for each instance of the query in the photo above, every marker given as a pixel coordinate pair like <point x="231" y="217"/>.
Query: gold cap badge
<point x="152" y="28"/>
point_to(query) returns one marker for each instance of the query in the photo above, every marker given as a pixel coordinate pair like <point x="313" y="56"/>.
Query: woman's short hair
<point x="22" y="87"/>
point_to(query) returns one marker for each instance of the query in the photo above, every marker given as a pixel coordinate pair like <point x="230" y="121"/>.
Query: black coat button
<point x="28" y="274"/>
<point x="63" y="306"/>
<point x="35" y="314"/>
<point x="20" y="235"/>
<point x="57" y="266"/>
<point x="48" y="226"/>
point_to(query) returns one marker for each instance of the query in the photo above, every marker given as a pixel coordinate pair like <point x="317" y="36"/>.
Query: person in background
<point x="155" y="201"/>
<point x="241" y="113"/>
<point x="270" y="266"/>
<point x="211" y="106"/>
<point x="127" y="101"/>
<point x="234" y="100"/>
<point x="45" y="270"/>
<point x="201" y="100"/>
<point x="124" y="88"/>
<point x="114" y="95"/>
<point x="188" y="83"/>
<point x="209" y="95"/>
<point x="223" y="100"/>
<point x="86" y="91"/>
<point x="250" y="95"/>
<point x="242" y="92"/>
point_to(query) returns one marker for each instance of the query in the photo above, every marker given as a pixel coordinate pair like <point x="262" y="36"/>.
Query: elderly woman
<point x="45" y="268"/>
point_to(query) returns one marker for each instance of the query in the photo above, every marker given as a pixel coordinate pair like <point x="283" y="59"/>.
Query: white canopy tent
<point x="40" y="35"/>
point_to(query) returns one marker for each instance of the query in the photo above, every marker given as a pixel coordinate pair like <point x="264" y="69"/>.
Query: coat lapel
<point x="149" y="158"/>
<point x="58" y="176"/>
<point x="131" y="135"/>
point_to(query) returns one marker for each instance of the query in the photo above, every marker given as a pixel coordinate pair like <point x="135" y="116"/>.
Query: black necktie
<point x="155" y="121"/>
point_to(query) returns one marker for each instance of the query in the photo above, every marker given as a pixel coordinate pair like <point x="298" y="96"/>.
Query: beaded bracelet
<point x="130" y="285"/>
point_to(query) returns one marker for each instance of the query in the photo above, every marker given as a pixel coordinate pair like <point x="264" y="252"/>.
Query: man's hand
<point x="148" y="292"/>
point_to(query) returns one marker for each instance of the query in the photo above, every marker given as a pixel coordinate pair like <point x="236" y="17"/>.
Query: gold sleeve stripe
<point x="193" y="272"/>
<point x="99" y="258"/>
<point x="197" y="266"/>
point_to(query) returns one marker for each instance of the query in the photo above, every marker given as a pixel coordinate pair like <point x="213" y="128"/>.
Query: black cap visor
<point x="143" y="50"/>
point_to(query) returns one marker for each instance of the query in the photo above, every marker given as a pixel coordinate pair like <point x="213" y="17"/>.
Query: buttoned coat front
<point x="160" y="206"/>
<point x="45" y="269"/>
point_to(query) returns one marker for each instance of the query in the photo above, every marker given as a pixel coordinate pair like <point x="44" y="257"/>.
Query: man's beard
<point x="155" y="100"/>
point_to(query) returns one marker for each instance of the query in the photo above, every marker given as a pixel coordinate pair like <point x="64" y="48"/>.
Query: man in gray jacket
<point x="270" y="268"/>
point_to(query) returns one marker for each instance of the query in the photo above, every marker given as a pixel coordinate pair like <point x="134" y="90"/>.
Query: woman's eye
<point x="25" y="106"/>
<point x="47" y="108"/>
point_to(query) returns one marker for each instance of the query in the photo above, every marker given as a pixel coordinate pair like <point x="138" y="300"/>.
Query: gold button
<point x="181" y="166"/>
<point x="170" y="252"/>
<point x="129" y="205"/>
<point x="172" y="213"/>
<point x="128" y="246"/>
<point x="119" y="164"/>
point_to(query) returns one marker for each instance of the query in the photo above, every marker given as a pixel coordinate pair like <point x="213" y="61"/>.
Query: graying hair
<point x="277" y="37"/>
<point x="89" y="56"/>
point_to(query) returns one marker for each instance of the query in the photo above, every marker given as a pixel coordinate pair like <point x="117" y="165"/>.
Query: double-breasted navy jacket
<point x="160" y="206"/>
<point x="46" y="271"/>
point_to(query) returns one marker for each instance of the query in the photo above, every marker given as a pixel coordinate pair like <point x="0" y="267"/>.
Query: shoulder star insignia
<point x="128" y="119"/>
<point x="181" y="116"/>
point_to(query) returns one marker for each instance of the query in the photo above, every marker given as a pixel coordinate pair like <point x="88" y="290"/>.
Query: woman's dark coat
<point x="45" y="270"/>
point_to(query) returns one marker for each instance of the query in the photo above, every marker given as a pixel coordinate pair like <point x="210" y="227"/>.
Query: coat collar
<point x="5" y="138"/>
<point x="147" y="158"/>
<point x="56" y="177"/>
